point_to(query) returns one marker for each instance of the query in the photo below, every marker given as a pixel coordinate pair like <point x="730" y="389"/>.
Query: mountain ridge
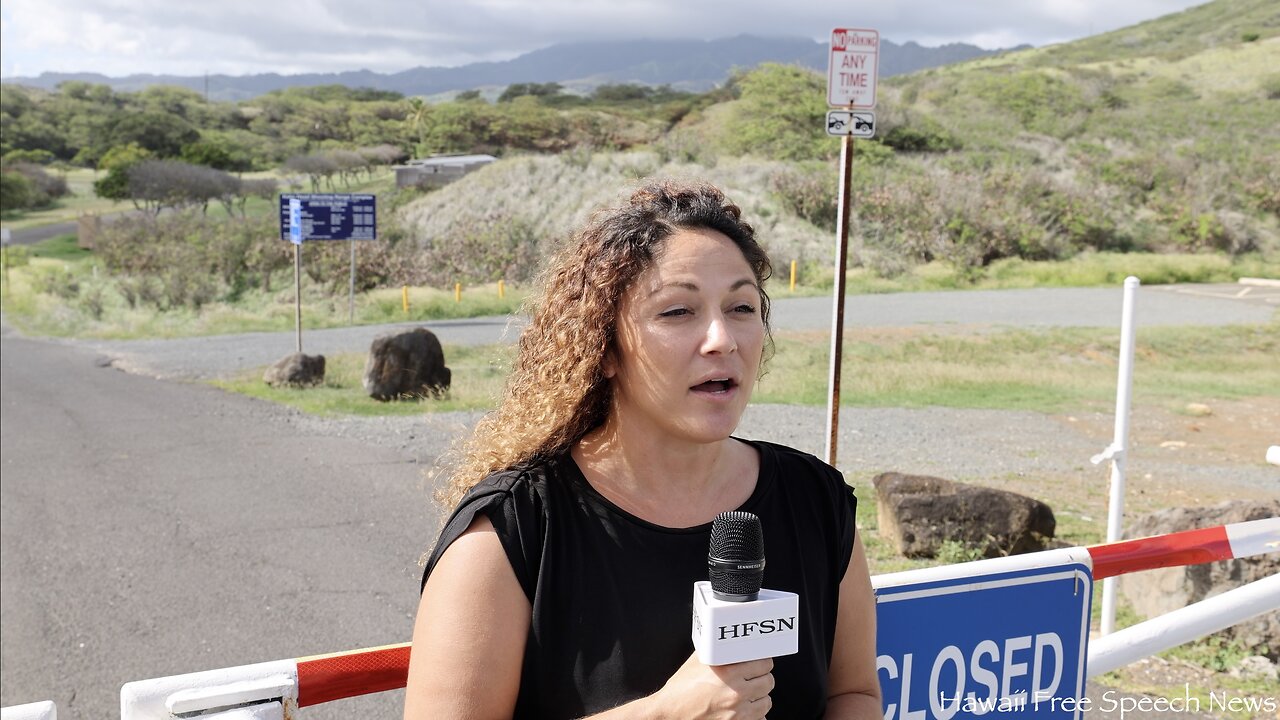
<point x="694" y="65"/>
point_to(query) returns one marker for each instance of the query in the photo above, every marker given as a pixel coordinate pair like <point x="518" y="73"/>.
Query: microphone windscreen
<point x="735" y="559"/>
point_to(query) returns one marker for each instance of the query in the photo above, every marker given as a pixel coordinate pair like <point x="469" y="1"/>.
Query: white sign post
<point x="853" y="68"/>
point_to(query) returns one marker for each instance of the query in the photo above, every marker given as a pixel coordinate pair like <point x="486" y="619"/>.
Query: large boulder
<point x="1156" y="592"/>
<point x="918" y="513"/>
<point x="406" y="364"/>
<point x="296" y="370"/>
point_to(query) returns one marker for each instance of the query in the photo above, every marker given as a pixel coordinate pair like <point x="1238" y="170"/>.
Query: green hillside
<point x="1152" y="150"/>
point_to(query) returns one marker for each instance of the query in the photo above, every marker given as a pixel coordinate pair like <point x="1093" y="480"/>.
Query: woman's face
<point x="689" y="341"/>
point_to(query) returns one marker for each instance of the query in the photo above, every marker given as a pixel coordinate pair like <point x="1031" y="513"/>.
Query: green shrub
<point x="921" y="135"/>
<point x="781" y="116"/>
<point x="57" y="281"/>
<point x="809" y="191"/>
<point x="16" y="192"/>
<point x="1271" y="86"/>
<point x="1038" y="100"/>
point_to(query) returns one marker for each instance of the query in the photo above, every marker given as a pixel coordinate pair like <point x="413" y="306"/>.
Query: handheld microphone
<point x="733" y="619"/>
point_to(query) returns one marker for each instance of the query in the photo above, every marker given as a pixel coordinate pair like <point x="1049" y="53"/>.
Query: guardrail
<point x="276" y="690"/>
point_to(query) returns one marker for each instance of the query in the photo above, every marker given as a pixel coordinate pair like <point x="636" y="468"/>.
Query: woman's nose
<point x="718" y="338"/>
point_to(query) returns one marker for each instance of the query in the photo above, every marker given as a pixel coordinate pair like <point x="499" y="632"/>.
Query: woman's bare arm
<point x="469" y="637"/>
<point x="854" y="690"/>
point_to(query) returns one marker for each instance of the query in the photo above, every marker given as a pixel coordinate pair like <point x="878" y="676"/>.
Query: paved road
<point x="152" y="528"/>
<point x="1081" y="307"/>
<point x="31" y="236"/>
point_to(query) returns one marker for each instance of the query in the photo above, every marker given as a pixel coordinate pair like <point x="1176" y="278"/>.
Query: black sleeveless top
<point x="612" y="594"/>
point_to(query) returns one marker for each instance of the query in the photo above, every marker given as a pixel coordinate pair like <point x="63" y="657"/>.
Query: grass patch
<point x="1045" y="371"/>
<point x="1051" y="370"/>
<point x="478" y="375"/>
<point x="1084" y="270"/>
<point x="63" y="247"/>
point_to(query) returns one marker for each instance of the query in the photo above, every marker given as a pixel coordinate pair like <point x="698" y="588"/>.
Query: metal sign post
<point x="351" y="290"/>
<point x="837" y="308"/>
<point x="852" y="72"/>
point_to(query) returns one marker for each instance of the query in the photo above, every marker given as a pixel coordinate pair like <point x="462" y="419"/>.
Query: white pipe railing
<point x="1183" y="625"/>
<point x="1117" y="452"/>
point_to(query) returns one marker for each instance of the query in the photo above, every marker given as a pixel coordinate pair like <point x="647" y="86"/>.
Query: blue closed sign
<point x="1002" y="645"/>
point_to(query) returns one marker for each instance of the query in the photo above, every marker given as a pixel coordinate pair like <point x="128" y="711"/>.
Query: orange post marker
<point x="404" y="298"/>
<point x="793" y="276"/>
<point x="457" y="292"/>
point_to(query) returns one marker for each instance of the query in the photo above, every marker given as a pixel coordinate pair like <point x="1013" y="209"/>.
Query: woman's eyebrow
<point x="694" y="286"/>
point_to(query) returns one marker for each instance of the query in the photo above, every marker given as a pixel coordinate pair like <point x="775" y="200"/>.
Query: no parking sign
<point x="1001" y="645"/>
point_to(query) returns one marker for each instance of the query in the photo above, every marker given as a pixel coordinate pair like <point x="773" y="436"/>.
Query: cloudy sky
<point x="120" y="37"/>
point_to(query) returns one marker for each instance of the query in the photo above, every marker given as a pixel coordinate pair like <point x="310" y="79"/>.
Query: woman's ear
<point x="609" y="367"/>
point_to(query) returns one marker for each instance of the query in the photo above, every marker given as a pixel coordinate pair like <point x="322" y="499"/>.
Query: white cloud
<point x="119" y="37"/>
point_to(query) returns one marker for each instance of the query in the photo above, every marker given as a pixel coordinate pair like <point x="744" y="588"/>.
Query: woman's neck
<point x="666" y="482"/>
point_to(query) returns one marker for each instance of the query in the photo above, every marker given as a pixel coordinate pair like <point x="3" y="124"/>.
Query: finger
<point x="755" y="668"/>
<point x="757" y="688"/>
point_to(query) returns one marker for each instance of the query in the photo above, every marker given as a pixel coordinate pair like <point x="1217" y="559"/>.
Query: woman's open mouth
<point x="715" y="385"/>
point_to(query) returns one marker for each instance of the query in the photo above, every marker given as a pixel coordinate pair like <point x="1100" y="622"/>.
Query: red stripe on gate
<point x="343" y="675"/>
<point x="1190" y="547"/>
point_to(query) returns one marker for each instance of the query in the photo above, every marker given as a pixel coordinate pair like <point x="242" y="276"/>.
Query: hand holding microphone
<point x="733" y="619"/>
<point x="737" y="630"/>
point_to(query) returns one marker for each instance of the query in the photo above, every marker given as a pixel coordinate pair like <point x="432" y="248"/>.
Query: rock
<point x="406" y="364"/>
<point x="1256" y="667"/>
<point x="1198" y="410"/>
<point x="1156" y="592"/>
<point x="919" y="513"/>
<point x="296" y="370"/>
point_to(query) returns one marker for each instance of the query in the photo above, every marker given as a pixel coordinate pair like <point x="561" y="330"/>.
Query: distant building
<point x="439" y="170"/>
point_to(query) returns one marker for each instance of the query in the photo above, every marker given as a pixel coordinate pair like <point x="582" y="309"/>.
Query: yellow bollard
<point x="404" y="298"/>
<point x="502" y="289"/>
<point x="793" y="276"/>
<point x="457" y="292"/>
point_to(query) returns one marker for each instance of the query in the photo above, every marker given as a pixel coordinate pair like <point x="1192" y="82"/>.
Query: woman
<point x="561" y="585"/>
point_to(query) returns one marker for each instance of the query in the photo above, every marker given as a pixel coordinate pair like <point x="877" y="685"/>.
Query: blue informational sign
<point x="331" y="216"/>
<point x="1004" y="645"/>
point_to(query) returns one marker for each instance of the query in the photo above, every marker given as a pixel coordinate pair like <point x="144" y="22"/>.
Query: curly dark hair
<point x="557" y="391"/>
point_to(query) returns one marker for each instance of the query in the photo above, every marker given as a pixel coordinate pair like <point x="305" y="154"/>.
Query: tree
<point x="264" y="188"/>
<point x="782" y="114"/>
<point x="316" y="166"/>
<point x="158" y="184"/>
<point x="117" y="161"/>
<point x="16" y="191"/>
<point x="163" y="134"/>
<point x="418" y="119"/>
<point x="539" y="90"/>
<point x="212" y="154"/>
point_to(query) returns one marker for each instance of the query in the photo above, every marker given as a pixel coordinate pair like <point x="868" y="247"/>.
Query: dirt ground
<point x="1226" y="433"/>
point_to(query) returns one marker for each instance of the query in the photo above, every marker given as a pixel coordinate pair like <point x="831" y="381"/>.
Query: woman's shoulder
<point x="793" y="463"/>
<point x="526" y="481"/>
<point x="515" y="502"/>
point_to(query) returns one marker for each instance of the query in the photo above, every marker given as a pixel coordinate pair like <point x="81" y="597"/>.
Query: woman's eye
<point x="676" y="312"/>
<point x="745" y="308"/>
